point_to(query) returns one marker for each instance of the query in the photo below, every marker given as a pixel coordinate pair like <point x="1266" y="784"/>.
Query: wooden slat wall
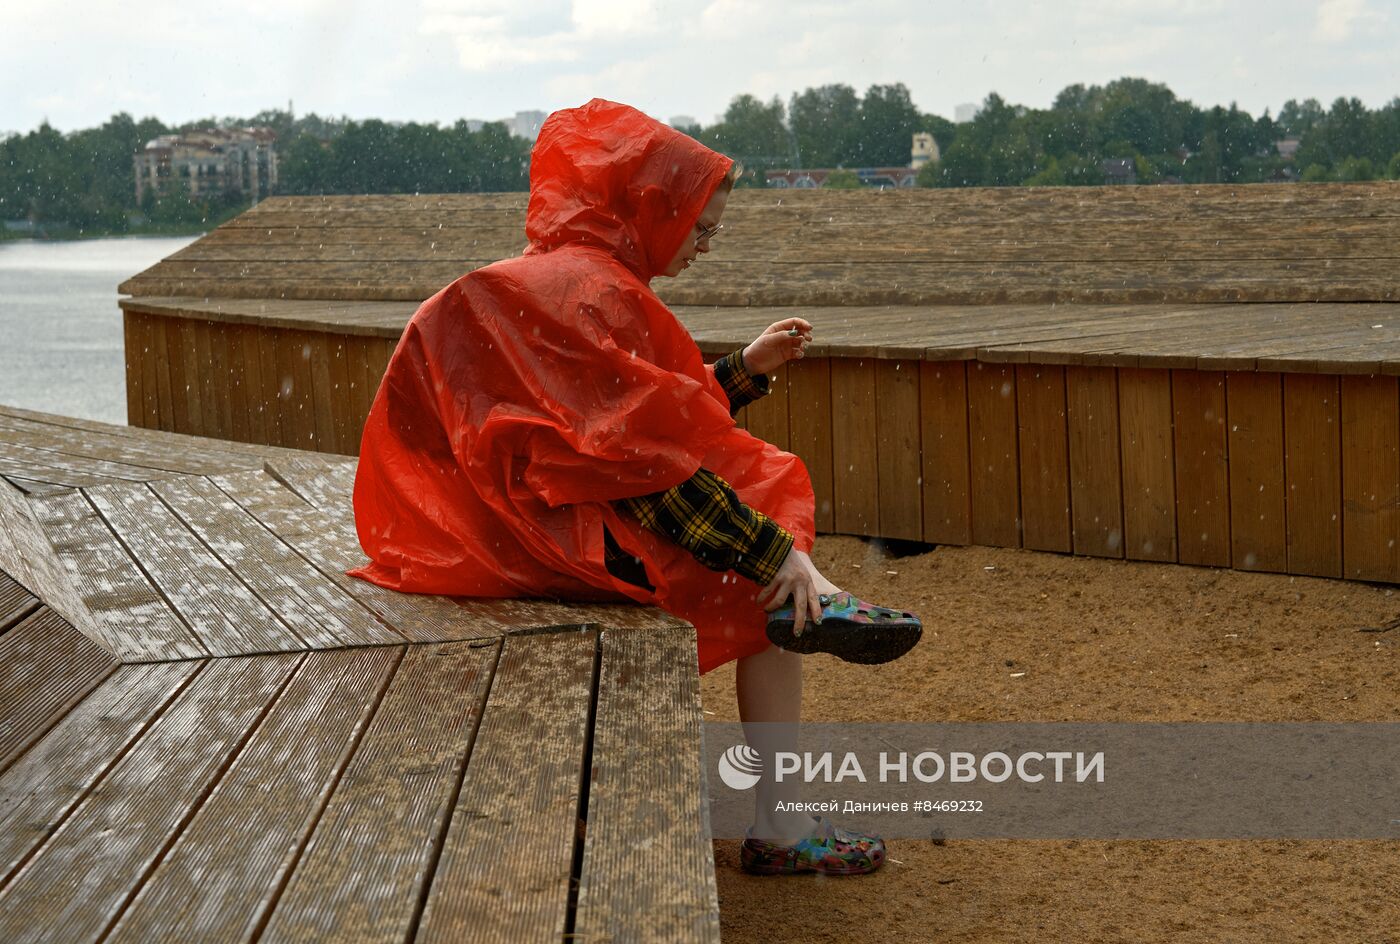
<point x="1292" y="472"/>
<point x="294" y="388"/>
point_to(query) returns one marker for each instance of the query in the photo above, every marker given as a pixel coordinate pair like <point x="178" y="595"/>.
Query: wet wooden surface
<point x="1194" y="244"/>
<point x="244" y="744"/>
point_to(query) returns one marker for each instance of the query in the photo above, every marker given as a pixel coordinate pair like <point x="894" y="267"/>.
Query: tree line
<point x="85" y="182"/>
<point x="84" y="179"/>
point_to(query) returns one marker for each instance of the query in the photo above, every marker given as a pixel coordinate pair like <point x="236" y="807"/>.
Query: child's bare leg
<point x="769" y="688"/>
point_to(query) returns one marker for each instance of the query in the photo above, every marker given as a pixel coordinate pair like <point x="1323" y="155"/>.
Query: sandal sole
<point x="861" y="643"/>
<point x="780" y="870"/>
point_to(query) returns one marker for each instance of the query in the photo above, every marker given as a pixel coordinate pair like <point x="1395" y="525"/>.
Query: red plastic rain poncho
<point x="526" y="396"/>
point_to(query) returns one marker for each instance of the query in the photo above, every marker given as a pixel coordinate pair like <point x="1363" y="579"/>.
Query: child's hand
<point x="795" y="580"/>
<point x="783" y="341"/>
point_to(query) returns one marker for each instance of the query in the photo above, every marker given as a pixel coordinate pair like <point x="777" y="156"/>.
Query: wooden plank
<point x="1370" y="444"/>
<point x="236" y="393"/>
<point x="317" y="610"/>
<point x="541" y="695"/>
<point x="27" y="555"/>
<point x="201" y="589"/>
<point x="1301" y="335"/>
<point x="320" y="483"/>
<point x="15" y="602"/>
<point x="132" y="617"/>
<point x="120" y="452"/>
<point x="1258" y="532"/>
<point x="324" y="394"/>
<point x="855" y="474"/>
<point x="646" y="791"/>
<point x="946" y="452"/>
<point x="297" y="349"/>
<point x="196" y="374"/>
<point x="1202" y="468"/>
<point x="134" y="351"/>
<point x="182" y="420"/>
<point x="810" y="434"/>
<point x="164" y="445"/>
<point x="1096" y="488"/>
<point x="1043" y="437"/>
<point x="150" y="370"/>
<point x="161" y="365"/>
<point x="1312" y="431"/>
<point x="51" y="465"/>
<point x="46" y="667"/>
<point x="767" y="417"/>
<point x="897" y="449"/>
<point x="221" y="878"/>
<point x="362" y="388"/>
<point x="221" y="381"/>
<point x="1149" y="464"/>
<point x="276" y="388"/>
<point x="373" y="850"/>
<point x="346" y="431"/>
<point x="58" y="772"/>
<point x="95" y="862"/>
<point x="995" y="482"/>
<point x="293" y="400"/>
<point x="254" y="404"/>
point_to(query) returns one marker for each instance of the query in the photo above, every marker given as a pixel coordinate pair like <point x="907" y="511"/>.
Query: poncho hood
<point x="606" y="175"/>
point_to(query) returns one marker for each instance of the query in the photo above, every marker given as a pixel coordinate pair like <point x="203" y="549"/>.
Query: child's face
<point x="698" y="242"/>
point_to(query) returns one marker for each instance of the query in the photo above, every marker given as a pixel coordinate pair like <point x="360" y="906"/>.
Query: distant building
<point x="238" y="160"/>
<point x="878" y="177"/>
<point x="1287" y="148"/>
<point x="967" y="112"/>
<point x="925" y="150"/>
<point x="1118" y="170"/>
<point x="526" y="124"/>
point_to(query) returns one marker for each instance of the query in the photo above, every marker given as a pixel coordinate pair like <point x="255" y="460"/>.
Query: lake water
<point x="60" y="327"/>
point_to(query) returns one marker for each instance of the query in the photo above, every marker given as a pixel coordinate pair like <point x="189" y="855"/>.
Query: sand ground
<point x="1096" y="640"/>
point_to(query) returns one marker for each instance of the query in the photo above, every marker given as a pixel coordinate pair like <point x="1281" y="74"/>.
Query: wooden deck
<point x="208" y="732"/>
<point x="1207" y="375"/>
<point x="1184" y="244"/>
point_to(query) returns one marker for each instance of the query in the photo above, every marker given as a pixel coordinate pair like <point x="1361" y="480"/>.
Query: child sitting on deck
<point x="548" y="427"/>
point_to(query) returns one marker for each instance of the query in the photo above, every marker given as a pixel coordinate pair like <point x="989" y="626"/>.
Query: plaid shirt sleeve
<point x="739" y="385"/>
<point x="704" y="515"/>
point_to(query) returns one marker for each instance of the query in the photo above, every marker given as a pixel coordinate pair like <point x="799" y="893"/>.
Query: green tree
<point x="992" y="150"/>
<point x="1296" y="119"/>
<point x="826" y="125"/>
<point x="1356" y="168"/>
<point x="888" y="122"/>
<point x="753" y="132"/>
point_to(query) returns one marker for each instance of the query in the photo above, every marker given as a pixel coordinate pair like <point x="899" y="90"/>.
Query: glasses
<point x="703" y="234"/>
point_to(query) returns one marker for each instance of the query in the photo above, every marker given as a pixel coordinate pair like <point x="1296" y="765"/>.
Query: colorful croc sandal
<point x="830" y="850"/>
<point x="849" y="629"/>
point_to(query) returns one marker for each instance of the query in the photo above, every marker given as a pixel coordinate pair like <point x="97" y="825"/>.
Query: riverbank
<point x="63" y="232"/>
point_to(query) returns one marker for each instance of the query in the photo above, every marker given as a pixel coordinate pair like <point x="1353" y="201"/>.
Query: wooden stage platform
<point x="209" y="733"/>
<point x="1201" y="374"/>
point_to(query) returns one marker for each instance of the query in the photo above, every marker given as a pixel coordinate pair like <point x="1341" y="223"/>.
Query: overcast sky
<point x="76" y="62"/>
